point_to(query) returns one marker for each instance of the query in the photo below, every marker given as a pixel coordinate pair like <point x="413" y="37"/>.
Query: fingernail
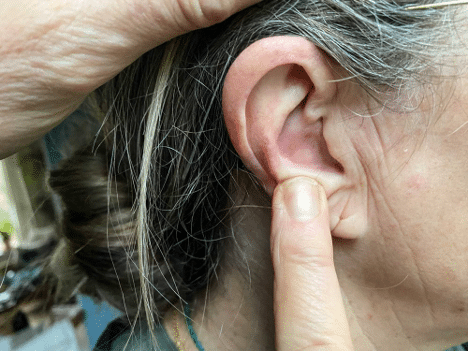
<point x="302" y="198"/>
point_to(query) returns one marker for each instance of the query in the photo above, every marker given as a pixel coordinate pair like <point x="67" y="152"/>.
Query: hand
<point x="309" y="311"/>
<point x="53" y="53"/>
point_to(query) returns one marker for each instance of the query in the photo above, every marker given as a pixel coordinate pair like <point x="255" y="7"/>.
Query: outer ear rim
<point x="245" y="73"/>
<point x="302" y="52"/>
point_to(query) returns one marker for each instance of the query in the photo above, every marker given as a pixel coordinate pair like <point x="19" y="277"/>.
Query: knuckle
<point x="204" y="13"/>
<point x="313" y="256"/>
<point x="314" y="260"/>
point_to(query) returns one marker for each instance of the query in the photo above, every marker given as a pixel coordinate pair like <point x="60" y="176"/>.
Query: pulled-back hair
<point x="147" y="204"/>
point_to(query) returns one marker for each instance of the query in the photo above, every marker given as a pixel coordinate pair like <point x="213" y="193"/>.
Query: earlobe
<point x="278" y="104"/>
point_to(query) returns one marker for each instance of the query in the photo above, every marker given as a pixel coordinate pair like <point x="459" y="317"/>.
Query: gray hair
<point x="149" y="203"/>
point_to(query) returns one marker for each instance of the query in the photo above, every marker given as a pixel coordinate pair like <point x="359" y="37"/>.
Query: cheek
<point x="428" y="200"/>
<point x="424" y="228"/>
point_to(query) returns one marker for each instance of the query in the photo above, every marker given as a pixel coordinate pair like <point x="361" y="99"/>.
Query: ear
<point x="279" y="103"/>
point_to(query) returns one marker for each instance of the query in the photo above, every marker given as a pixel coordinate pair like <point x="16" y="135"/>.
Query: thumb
<point x="309" y="312"/>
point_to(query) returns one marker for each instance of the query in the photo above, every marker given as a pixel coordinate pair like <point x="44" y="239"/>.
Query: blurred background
<point x="29" y="220"/>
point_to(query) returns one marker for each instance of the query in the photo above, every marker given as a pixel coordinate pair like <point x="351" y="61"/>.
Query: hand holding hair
<point x="54" y="53"/>
<point x="309" y="312"/>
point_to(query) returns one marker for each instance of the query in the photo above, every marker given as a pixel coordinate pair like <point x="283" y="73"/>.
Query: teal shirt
<point x="117" y="334"/>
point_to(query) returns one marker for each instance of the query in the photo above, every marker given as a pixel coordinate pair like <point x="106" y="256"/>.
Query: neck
<point x="236" y="313"/>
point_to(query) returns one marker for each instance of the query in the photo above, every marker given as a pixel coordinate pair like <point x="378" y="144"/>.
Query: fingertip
<point x="302" y="197"/>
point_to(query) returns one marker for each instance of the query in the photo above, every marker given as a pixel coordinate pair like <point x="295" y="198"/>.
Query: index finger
<point x="309" y="311"/>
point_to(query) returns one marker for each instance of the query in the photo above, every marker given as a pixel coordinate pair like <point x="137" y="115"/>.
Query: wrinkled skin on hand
<point x="54" y="53"/>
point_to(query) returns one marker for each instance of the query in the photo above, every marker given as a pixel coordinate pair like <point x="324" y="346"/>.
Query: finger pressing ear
<point x="281" y="112"/>
<point x="309" y="311"/>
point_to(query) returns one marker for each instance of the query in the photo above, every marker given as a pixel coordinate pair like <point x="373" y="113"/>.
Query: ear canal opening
<point x="330" y="162"/>
<point x="304" y="101"/>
